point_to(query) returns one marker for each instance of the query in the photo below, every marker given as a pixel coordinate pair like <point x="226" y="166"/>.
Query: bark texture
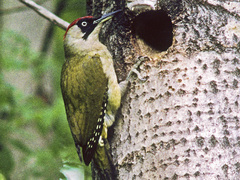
<point x="183" y="121"/>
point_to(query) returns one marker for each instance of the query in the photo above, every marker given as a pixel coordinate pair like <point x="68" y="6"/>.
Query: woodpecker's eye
<point x="84" y="23"/>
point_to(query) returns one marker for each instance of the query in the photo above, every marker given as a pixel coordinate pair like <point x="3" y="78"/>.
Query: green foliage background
<point x="35" y="140"/>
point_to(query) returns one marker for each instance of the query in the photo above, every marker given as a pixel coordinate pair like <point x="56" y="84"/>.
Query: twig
<point x="16" y="9"/>
<point x="46" y="14"/>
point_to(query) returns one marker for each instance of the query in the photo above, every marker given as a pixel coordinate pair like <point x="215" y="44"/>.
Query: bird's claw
<point x="100" y="141"/>
<point x="134" y="70"/>
<point x="142" y="79"/>
<point x="123" y="85"/>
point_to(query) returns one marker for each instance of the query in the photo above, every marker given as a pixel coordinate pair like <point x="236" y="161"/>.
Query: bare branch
<point x="46" y="14"/>
<point x="16" y="9"/>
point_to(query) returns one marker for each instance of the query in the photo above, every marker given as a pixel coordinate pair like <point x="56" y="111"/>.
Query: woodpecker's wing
<point x="84" y="87"/>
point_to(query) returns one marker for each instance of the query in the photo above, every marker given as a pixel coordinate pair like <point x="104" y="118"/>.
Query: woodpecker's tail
<point x="103" y="166"/>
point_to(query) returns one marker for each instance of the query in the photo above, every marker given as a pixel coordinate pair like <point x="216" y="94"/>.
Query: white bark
<point x="183" y="122"/>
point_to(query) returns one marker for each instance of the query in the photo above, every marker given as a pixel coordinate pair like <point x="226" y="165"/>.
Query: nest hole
<point x="155" y="29"/>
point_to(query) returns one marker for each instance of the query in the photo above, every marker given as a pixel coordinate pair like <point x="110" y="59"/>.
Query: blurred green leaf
<point x="16" y="51"/>
<point x="7" y="161"/>
<point x="19" y="145"/>
<point x="2" y="177"/>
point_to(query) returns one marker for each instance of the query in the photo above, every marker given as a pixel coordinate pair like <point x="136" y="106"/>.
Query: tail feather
<point x="103" y="163"/>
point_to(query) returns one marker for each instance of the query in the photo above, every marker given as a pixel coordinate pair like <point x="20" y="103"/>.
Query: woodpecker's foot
<point x="134" y="70"/>
<point x="123" y="85"/>
<point x="103" y="135"/>
<point x="100" y="141"/>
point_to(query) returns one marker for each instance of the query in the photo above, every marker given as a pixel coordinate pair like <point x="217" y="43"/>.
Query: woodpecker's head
<point x="82" y="34"/>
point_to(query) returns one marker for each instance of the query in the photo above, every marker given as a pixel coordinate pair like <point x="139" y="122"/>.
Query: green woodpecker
<point x="89" y="84"/>
<point x="90" y="89"/>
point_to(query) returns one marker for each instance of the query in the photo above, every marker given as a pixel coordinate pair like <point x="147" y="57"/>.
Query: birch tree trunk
<point x="183" y="121"/>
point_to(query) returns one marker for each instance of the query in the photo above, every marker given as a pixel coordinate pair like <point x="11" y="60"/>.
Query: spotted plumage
<point x="90" y="147"/>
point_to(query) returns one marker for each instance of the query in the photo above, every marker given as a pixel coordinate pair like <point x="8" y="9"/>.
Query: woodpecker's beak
<point x="106" y="17"/>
